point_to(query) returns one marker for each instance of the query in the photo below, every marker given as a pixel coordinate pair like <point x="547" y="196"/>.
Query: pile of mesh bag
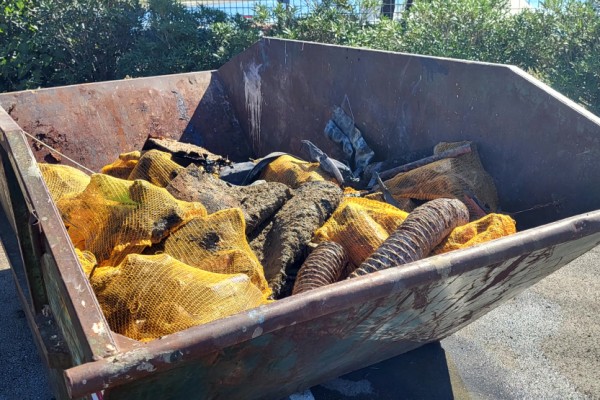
<point x="172" y="239"/>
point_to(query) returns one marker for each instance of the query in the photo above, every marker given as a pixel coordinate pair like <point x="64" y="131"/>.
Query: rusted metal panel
<point x="539" y="146"/>
<point x="282" y="347"/>
<point x="73" y="304"/>
<point x="5" y="193"/>
<point x="28" y="234"/>
<point x="94" y="123"/>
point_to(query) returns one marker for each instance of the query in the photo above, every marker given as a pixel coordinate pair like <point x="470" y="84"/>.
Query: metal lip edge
<point x="182" y="347"/>
<point x="7" y="125"/>
<point x="581" y="110"/>
<point x="100" y="83"/>
<point x="388" y="52"/>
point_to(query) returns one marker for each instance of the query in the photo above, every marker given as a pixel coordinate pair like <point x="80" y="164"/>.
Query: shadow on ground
<point x="420" y="374"/>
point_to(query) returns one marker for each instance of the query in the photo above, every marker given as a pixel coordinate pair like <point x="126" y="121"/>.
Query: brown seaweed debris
<point x="258" y="202"/>
<point x="281" y="244"/>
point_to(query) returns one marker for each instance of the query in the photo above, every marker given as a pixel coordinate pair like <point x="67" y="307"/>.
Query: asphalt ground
<point x="543" y="344"/>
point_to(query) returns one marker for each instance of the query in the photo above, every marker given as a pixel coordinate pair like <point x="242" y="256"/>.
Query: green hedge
<point x="51" y="42"/>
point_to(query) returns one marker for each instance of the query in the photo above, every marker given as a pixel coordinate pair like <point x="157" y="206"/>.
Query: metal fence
<point x="391" y="8"/>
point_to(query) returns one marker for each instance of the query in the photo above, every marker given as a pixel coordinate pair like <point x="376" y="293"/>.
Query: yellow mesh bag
<point x="405" y="204"/>
<point x="217" y="243"/>
<point x="294" y="172"/>
<point x="490" y="227"/>
<point x="156" y="167"/>
<point x="87" y="260"/>
<point x="454" y="177"/>
<point x="151" y="296"/>
<point x="99" y="276"/>
<point x="360" y="225"/>
<point x="113" y="217"/>
<point x="351" y="192"/>
<point x="63" y="180"/>
<point x="122" y="167"/>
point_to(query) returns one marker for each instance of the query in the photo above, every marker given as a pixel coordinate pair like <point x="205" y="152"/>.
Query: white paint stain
<point x="306" y="395"/>
<point x="349" y="388"/>
<point x="98" y="328"/>
<point x="442" y="265"/>
<point x="257" y="332"/>
<point x="253" y="96"/>
<point x="33" y="171"/>
<point x="257" y="314"/>
<point x="166" y="358"/>
<point x="145" y="366"/>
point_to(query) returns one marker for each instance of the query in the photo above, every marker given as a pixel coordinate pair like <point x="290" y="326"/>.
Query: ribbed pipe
<point x="415" y="238"/>
<point x="325" y="265"/>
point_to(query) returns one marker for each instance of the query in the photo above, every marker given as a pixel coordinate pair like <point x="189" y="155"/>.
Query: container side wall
<point x="540" y="147"/>
<point x="52" y="272"/>
<point x="376" y="316"/>
<point x="274" y="364"/>
<point x="94" y="123"/>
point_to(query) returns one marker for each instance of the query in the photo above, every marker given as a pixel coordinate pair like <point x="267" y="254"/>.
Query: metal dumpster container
<point x="540" y="148"/>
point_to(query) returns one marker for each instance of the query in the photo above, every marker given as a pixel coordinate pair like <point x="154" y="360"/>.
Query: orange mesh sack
<point x="461" y="178"/>
<point x="360" y="226"/>
<point x="122" y="167"/>
<point x="490" y="227"/>
<point x="113" y="217"/>
<point x="63" y="181"/>
<point x="294" y="172"/>
<point x="156" y="167"/>
<point x="217" y="243"/>
<point x="152" y="296"/>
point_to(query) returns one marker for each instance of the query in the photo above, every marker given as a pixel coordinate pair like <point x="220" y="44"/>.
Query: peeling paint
<point x="306" y="395"/>
<point x="181" y="106"/>
<point x="442" y="265"/>
<point x="257" y="332"/>
<point x="257" y="314"/>
<point x="33" y="171"/>
<point x="349" y="388"/>
<point x="145" y="366"/>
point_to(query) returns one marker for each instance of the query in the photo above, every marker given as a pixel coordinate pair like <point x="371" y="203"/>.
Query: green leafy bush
<point x="466" y="29"/>
<point x="175" y="39"/>
<point x="51" y="42"/>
